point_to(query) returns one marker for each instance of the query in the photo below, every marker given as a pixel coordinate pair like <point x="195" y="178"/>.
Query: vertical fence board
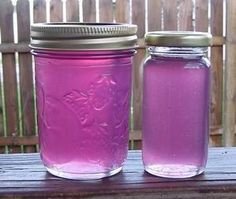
<point x="201" y="24"/>
<point x="230" y="76"/>
<point x="138" y="17"/>
<point x="9" y="73"/>
<point x="2" y="148"/>
<point x="170" y="14"/>
<point x="137" y="92"/>
<point x="216" y="22"/>
<point x="154" y="15"/>
<point x="39" y="11"/>
<point x="26" y="73"/>
<point x="105" y="11"/>
<point x="122" y="10"/>
<point x="185" y="15"/>
<point x="72" y="10"/>
<point x="56" y="13"/>
<point x="89" y="10"/>
<point x="201" y="12"/>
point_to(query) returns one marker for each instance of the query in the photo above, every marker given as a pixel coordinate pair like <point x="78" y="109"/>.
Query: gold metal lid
<point x="83" y="36"/>
<point x="178" y="39"/>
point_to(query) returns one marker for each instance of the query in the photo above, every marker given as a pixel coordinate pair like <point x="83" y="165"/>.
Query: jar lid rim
<point x="60" y="34"/>
<point x="178" y="39"/>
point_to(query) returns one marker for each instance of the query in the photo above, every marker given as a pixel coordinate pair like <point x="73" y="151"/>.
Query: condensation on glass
<point x="176" y="104"/>
<point x="83" y="82"/>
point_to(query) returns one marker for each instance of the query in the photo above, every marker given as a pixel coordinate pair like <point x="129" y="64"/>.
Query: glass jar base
<point x="174" y="171"/>
<point x="83" y="176"/>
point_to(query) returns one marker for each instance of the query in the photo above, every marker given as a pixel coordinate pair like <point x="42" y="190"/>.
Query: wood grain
<point x="105" y="11"/>
<point x="122" y="10"/>
<point x="23" y="176"/>
<point x="137" y="88"/>
<point x="216" y="23"/>
<point x="39" y="11"/>
<point x="27" y="140"/>
<point x="56" y="14"/>
<point x="154" y="9"/>
<point x="185" y="15"/>
<point x="170" y="14"/>
<point x="72" y="11"/>
<point x="2" y="148"/>
<point x="2" y="134"/>
<point x="138" y="17"/>
<point x="201" y="12"/>
<point x="230" y="74"/>
<point x="26" y="73"/>
<point x="9" y="73"/>
<point x="89" y="10"/>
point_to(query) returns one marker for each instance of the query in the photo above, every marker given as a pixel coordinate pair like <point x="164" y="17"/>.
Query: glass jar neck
<point x="178" y="52"/>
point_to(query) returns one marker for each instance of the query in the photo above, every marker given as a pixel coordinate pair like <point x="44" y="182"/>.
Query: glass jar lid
<point x="83" y="36"/>
<point x="178" y="39"/>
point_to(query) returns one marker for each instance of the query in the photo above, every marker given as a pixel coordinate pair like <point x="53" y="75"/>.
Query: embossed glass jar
<point x="176" y="104"/>
<point x="83" y="81"/>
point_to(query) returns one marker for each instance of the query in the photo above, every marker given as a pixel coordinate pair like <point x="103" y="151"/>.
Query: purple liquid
<point x="175" y="116"/>
<point x="83" y="112"/>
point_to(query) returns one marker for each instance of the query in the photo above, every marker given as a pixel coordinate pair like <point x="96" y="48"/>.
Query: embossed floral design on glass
<point x="83" y="81"/>
<point x="176" y="104"/>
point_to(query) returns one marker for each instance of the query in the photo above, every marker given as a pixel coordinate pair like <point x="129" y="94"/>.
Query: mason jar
<point x="176" y="103"/>
<point x="83" y="82"/>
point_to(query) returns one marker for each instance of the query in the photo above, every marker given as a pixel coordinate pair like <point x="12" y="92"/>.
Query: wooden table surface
<point x="23" y="176"/>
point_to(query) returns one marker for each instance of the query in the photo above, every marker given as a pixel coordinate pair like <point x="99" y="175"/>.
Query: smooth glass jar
<point x="176" y="104"/>
<point x="83" y="97"/>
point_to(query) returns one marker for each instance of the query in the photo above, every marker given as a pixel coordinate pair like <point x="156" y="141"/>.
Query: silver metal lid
<point x="83" y="36"/>
<point x="178" y="39"/>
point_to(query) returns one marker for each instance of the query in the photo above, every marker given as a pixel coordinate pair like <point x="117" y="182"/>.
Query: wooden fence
<point x="18" y="129"/>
